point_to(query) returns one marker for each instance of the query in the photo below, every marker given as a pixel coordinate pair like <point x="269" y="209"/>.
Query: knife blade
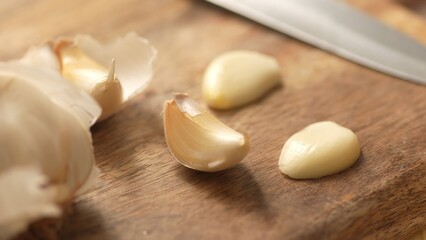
<point x="339" y="29"/>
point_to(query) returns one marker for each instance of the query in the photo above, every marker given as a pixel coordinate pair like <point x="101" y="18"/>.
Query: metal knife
<point x="340" y="29"/>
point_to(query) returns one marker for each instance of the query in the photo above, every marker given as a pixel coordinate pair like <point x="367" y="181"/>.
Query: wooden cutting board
<point x="145" y="194"/>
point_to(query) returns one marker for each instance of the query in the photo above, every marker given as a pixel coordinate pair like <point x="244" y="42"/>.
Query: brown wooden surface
<point x="145" y="194"/>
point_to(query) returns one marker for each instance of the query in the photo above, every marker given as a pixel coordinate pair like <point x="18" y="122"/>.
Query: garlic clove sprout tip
<point x="111" y="72"/>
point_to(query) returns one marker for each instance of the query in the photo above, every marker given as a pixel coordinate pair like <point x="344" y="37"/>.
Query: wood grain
<point x="145" y="194"/>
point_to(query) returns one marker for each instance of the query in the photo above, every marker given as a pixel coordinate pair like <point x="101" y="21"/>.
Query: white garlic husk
<point x="200" y="141"/>
<point x="23" y="199"/>
<point x="111" y="84"/>
<point x="46" y="152"/>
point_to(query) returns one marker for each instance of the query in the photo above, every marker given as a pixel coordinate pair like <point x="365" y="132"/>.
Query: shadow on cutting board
<point x="236" y="187"/>
<point x="89" y="223"/>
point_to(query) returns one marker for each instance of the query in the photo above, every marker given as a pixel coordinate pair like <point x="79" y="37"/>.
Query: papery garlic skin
<point x="50" y="82"/>
<point x="34" y="129"/>
<point x="200" y="141"/>
<point x="134" y="57"/>
<point x="320" y="149"/>
<point x="240" y="77"/>
<point x="129" y="75"/>
<point x="44" y="126"/>
<point x="25" y="197"/>
<point x="46" y="152"/>
<point x="90" y="76"/>
<point x="41" y="57"/>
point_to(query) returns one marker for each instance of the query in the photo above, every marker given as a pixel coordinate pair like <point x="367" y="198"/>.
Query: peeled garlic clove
<point x="239" y="77"/>
<point x="320" y="149"/>
<point x="198" y="140"/>
<point x="108" y="94"/>
<point x="90" y="76"/>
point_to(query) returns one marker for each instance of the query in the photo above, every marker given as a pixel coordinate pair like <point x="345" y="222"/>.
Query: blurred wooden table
<point x="145" y="194"/>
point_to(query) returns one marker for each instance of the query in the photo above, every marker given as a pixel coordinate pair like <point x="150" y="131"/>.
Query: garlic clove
<point x="198" y="140"/>
<point x="108" y="94"/>
<point x="78" y="67"/>
<point x="237" y="78"/>
<point x="90" y="76"/>
<point x="45" y="123"/>
<point x="134" y="58"/>
<point x="320" y="149"/>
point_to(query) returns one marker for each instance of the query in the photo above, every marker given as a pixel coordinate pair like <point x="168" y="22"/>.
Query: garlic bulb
<point x="46" y="153"/>
<point x="198" y="140"/>
<point x="110" y="73"/>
